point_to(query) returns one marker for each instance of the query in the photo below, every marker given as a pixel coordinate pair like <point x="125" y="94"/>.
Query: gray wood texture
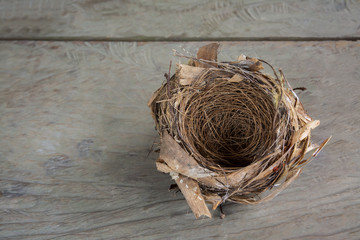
<point x="76" y="133"/>
<point x="179" y="20"/>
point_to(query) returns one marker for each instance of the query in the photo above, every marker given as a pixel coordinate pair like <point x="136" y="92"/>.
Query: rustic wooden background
<point x="75" y="131"/>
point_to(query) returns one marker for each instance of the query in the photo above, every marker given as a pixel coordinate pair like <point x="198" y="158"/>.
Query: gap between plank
<point x="163" y="39"/>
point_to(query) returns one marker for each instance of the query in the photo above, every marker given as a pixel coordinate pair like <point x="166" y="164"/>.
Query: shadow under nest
<point x="230" y="132"/>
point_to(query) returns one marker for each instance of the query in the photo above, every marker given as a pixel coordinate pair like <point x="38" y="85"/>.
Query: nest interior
<point x="230" y="130"/>
<point x="228" y="124"/>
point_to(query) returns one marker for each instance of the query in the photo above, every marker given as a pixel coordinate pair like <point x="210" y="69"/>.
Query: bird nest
<point x="230" y="132"/>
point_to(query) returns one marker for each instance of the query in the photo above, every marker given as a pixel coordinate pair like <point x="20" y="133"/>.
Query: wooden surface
<point x="179" y="20"/>
<point x="76" y="132"/>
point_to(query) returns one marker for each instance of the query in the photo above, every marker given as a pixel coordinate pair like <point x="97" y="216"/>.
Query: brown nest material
<point x="230" y="132"/>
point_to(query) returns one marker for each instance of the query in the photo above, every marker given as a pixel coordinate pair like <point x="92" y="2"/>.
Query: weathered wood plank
<point x="75" y="134"/>
<point x="179" y="20"/>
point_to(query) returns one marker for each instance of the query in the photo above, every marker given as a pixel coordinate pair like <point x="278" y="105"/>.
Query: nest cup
<point x="230" y="132"/>
<point x="228" y="124"/>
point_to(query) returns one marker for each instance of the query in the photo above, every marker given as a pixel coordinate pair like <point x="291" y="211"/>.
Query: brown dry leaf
<point x="191" y="191"/>
<point x="188" y="74"/>
<point x="236" y="78"/>
<point x="255" y="65"/>
<point x="304" y="131"/>
<point x="242" y="57"/>
<point x="317" y="151"/>
<point x="162" y="166"/>
<point x="235" y="178"/>
<point x="209" y="53"/>
<point x="180" y="161"/>
<point x="322" y="145"/>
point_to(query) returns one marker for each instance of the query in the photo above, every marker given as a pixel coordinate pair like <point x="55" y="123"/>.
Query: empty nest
<point x="230" y="132"/>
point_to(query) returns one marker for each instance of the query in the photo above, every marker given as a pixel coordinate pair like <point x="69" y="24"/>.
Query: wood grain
<point x="76" y="133"/>
<point x="179" y="20"/>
